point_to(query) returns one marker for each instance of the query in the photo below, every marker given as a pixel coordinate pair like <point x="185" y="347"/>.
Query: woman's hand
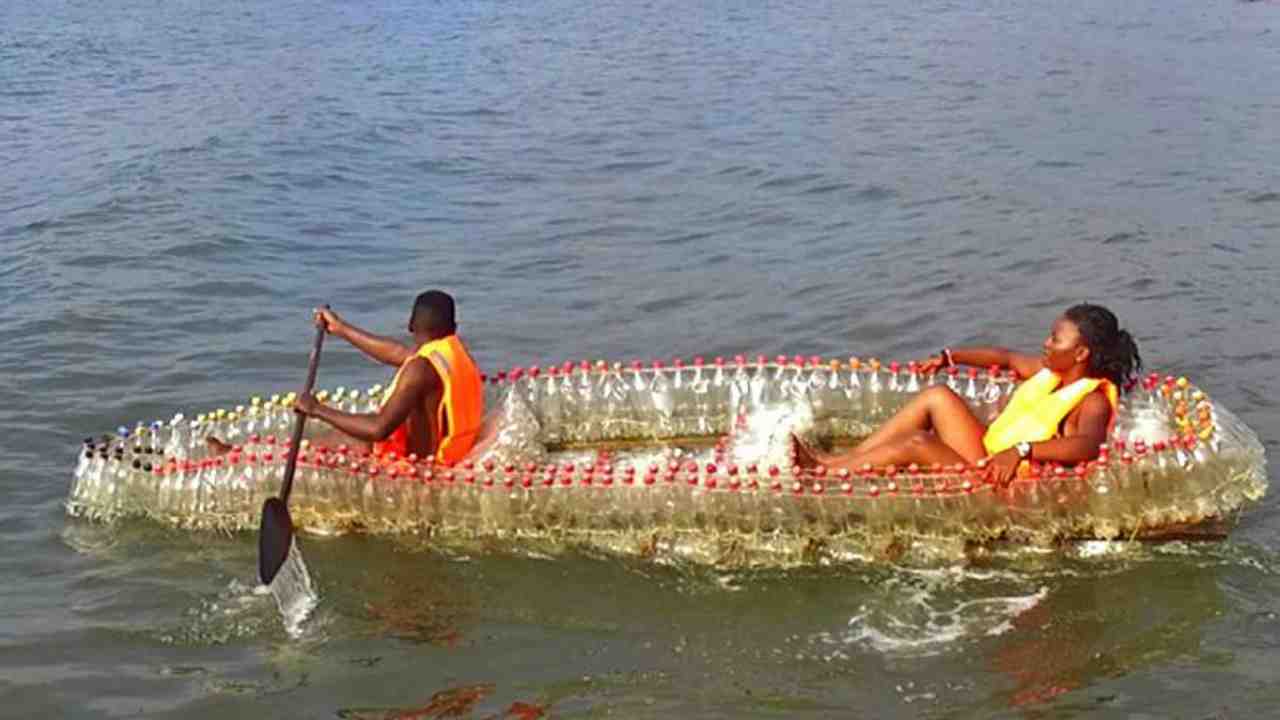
<point x="1002" y="467"/>
<point x="932" y="364"/>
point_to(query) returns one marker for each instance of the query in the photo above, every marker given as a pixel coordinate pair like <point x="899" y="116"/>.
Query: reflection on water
<point x="450" y="703"/>
<point x="1107" y="624"/>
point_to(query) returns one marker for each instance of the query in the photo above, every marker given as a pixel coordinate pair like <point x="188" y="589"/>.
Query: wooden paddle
<point x="275" y="534"/>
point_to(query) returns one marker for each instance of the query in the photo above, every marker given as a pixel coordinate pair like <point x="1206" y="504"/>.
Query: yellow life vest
<point x="461" y="399"/>
<point x="1035" y="411"/>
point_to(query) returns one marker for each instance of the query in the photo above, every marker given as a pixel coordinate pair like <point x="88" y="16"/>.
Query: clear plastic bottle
<point x="661" y="400"/>
<point x="758" y="388"/>
<point x="84" y="460"/>
<point x="912" y="386"/>
<point x="718" y="396"/>
<point x="585" y="401"/>
<point x="873" y="391"/>
<point x="552" y="405"/>
<point x="739" y="390"/>
<point x="700" y="392"/>
<point x="853" y="400"/>
<point x="611" y="388"/>
<point x="971" y="392"/>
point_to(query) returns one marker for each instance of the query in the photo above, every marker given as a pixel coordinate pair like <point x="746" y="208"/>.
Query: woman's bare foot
<point x="217" y="447"/>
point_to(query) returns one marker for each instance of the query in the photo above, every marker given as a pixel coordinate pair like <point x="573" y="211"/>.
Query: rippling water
<point x="184" y="180"/>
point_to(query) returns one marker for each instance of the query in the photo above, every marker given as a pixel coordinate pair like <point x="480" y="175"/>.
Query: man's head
<point x="432" y="316"/>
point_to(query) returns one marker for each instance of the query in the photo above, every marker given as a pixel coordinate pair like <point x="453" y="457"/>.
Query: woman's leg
<point x="921" y="447"/>
<point x="918" y="414"/>
<point x="935" y="426"/>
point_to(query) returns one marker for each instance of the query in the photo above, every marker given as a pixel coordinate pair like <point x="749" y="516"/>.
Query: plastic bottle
<point x="873" y="403"/>
<point x="913" y="379"/>
<point x="758" y="393"/>
<point x="552" y="407"/>
<point x="84" y="460"/>
<point x="611" y="389"/>
<point x="569" y="403"/>
<point x="971" y="387"/>
<point x="661" y="400"/>
<point x="739" y="389"/>
<point x="701" y="398"/>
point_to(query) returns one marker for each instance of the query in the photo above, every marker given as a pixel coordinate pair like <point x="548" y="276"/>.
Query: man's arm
<point x="382" y="349"/>
<point x="417" y="379"/>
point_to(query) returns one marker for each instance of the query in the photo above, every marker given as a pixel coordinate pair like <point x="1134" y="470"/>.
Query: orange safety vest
<point x="461" y="401"/>
<point x="1035" y="411"/>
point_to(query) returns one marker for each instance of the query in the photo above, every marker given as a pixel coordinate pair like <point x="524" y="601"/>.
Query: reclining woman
<point x="1086" y="358"/>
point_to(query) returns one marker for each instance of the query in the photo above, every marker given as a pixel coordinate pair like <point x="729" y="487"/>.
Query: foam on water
<point x="924" y="613"/>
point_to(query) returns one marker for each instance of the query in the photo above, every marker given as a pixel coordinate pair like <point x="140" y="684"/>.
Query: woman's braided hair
<point x="1112" y="352"/>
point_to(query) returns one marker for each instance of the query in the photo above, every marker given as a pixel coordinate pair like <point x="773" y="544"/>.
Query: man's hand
<point x="306" y="404"/>
<point x="1003" y="466"/>
<point x="327" y="319"/>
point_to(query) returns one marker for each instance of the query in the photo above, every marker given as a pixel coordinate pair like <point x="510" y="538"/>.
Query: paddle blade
<point x="275" y="535"/>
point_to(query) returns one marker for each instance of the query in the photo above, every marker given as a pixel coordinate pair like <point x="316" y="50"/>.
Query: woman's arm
<point x="1024" y="365"/>
<point x="1082" y="445"/>
<point x="1086" y="442"/>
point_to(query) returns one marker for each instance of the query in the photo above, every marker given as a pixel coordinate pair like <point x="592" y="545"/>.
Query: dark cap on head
<point x="433" y="313"/>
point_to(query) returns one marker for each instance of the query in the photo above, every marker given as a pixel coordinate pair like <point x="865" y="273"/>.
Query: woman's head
<point x="1090" y="335"/>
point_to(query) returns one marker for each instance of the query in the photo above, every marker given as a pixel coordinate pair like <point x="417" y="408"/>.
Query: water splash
<point x="293" y="591"/>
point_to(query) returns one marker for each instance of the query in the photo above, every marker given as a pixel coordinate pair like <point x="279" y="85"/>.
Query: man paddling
<point x="435" y="404"/>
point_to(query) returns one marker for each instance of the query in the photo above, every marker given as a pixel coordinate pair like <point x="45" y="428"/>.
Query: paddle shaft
<point x="291" y="464"/>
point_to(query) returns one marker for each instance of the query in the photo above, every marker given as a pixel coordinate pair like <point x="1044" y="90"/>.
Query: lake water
<point x="183" y="181"/>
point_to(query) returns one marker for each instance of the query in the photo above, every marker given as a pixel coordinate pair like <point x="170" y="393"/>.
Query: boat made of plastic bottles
<point x="692" y="457"/>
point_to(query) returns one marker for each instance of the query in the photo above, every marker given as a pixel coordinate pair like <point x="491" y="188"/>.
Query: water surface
<point x="184" y="180"/>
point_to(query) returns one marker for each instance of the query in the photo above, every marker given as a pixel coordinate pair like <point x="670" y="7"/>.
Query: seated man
<point x="435" y="404"/>
<point x="1086" y="355"/>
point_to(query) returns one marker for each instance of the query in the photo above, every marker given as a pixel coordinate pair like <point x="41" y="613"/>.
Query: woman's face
<point x="1064" y="348"/>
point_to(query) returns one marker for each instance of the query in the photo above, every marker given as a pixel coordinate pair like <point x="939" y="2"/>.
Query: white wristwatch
<point x="1024" y="449"/>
